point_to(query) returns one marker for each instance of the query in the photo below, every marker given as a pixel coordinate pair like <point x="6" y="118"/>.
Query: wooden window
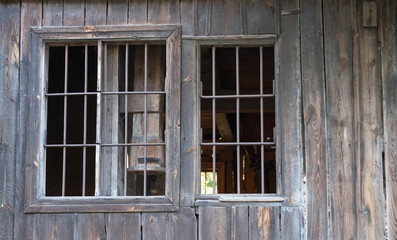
<point x="109" y="119"/>
<point x="238" y="117"/>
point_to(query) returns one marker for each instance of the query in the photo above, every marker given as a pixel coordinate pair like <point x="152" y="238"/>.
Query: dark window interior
<point x="249" y="118"/>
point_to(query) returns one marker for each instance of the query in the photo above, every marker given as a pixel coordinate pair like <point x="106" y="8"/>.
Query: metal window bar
<point x="125" y="120"/>
<point x="237" y="96"/>
<point x="261" y="119"/>
<point x="145" y="125"/>
<point x="238" y="117"/>
<point x="85" y="118"/>
<point x="65" y="105"/>
<point x="213" y="121"/>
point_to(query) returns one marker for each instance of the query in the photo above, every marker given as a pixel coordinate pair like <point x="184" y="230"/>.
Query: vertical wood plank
<point x="31" y="15"/>
<point x="9" y="105"/>
<point x="137" y="12"/>
<point x="264" y="223"/>
<point x="289" y="137"/>
<point x="89" y="226"/>
<point x="73" y="13"/>
<point x="261" y="17"/>
<point x="340" y="123"/>
<point x="240" y="222"/>
<point x="117" y="12"/>
<point x="53" y="226"/>
<point x="52" y="13"/>
<point x="189" y="128"/>
<point x="292" y="229"/>
<point x="313" y="93"/>
<point x="95" y="12"/>
<point x="203" y="17"/>
<point x="225" y="17"/>
<point x="214" y="223"/>
<point x="288" y="99"/>
<point x="368" y="129"/>
<point x="164" y="12"/>
<point x="389" y="76"/>
<point x="154" y="226"/>
<point x="123" y="226"/>
<point x="182" y="224"/>
<point x="188" y="16"/>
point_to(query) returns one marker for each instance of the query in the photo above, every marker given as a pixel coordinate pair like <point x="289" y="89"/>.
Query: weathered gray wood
<point x="52" y="13"/>
<point x="389" y="76"/>
<point x="188" y="16"/>
<point x="264" y="223"/>
<point x="9" y="105"/>
<point x="53" y="226"/>
<point x="292" y="229"/>
<point x="95" y="11"/>
<point x="340" y="123"/>
<point x="289" y="140"/>
<point x="117" y="12"/>
<point x="214" y="223"/>
<point x="154" y="226"/>
<point x="123" y="226"/>
<point x="313" y="93"/>
<point x="182" y="224"/>
<point x="164" y="12"/>
<point x="31" y="15"/>
<point x="73" y="13"/>
<point x="368" y="129"/>
<point x="288" y="104"/>
<point x="137" y="12"/>
<point x="240" y="222"/>
<point x="260" y="16"/>
<point x="90" y="226"/>
<point x="370" y="16"/>
<point x="189" y="131"/>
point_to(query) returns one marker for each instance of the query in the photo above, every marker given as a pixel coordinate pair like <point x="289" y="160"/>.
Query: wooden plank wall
<point x="344" y="82"/>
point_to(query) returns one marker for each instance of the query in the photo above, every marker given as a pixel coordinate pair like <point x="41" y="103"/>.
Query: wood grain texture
<point x="261" y="16"/>
<point x="52" y="13"/>
<point x="314" y="118"/>
<point x="340" y="124"/>
<point x="368" y="129"/>
<point x="117" y="12"/>
<point x="90" y="226"/>
<point x="53" y="226"/>
<point x="31" y="15"/>
<point x="154" y="226"/>
<point x="95" y="12"/>
<point x="188" y="16"/>
<point x="189" y="130"/>
<point x="288" y="104"/>
<point x="137" y="12"/>
<point x="292" y="229"/>
<point x="164" y="12"/>
<point x="9" y="105"/>
<point x="73" y="13"/>
<point x="264" y="223"/>
<point x="182" y="224"/>
<point x="123" y="226"/>
<point x="240" y="222"/>
<point x="389" y="76"/>
<point x="214" y="223"/>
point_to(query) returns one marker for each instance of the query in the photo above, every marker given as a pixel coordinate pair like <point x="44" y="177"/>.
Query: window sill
<point x="241" y="199"/>
<point x="101" y="204"/>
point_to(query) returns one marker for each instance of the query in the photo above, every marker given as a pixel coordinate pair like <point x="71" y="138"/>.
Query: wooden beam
<point x="223" y="126"/>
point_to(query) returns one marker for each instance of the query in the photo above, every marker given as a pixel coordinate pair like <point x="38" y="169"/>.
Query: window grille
<point x="232" y="101"/>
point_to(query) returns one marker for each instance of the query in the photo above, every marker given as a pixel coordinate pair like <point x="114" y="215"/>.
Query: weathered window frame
<point x="36" y="201"/>
<point x="244" y="41"/>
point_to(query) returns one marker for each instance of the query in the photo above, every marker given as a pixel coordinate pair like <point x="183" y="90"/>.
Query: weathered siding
<point x="342" y="120"/>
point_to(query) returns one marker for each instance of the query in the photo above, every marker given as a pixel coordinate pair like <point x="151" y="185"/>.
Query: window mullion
<point x="65" y="105"/>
